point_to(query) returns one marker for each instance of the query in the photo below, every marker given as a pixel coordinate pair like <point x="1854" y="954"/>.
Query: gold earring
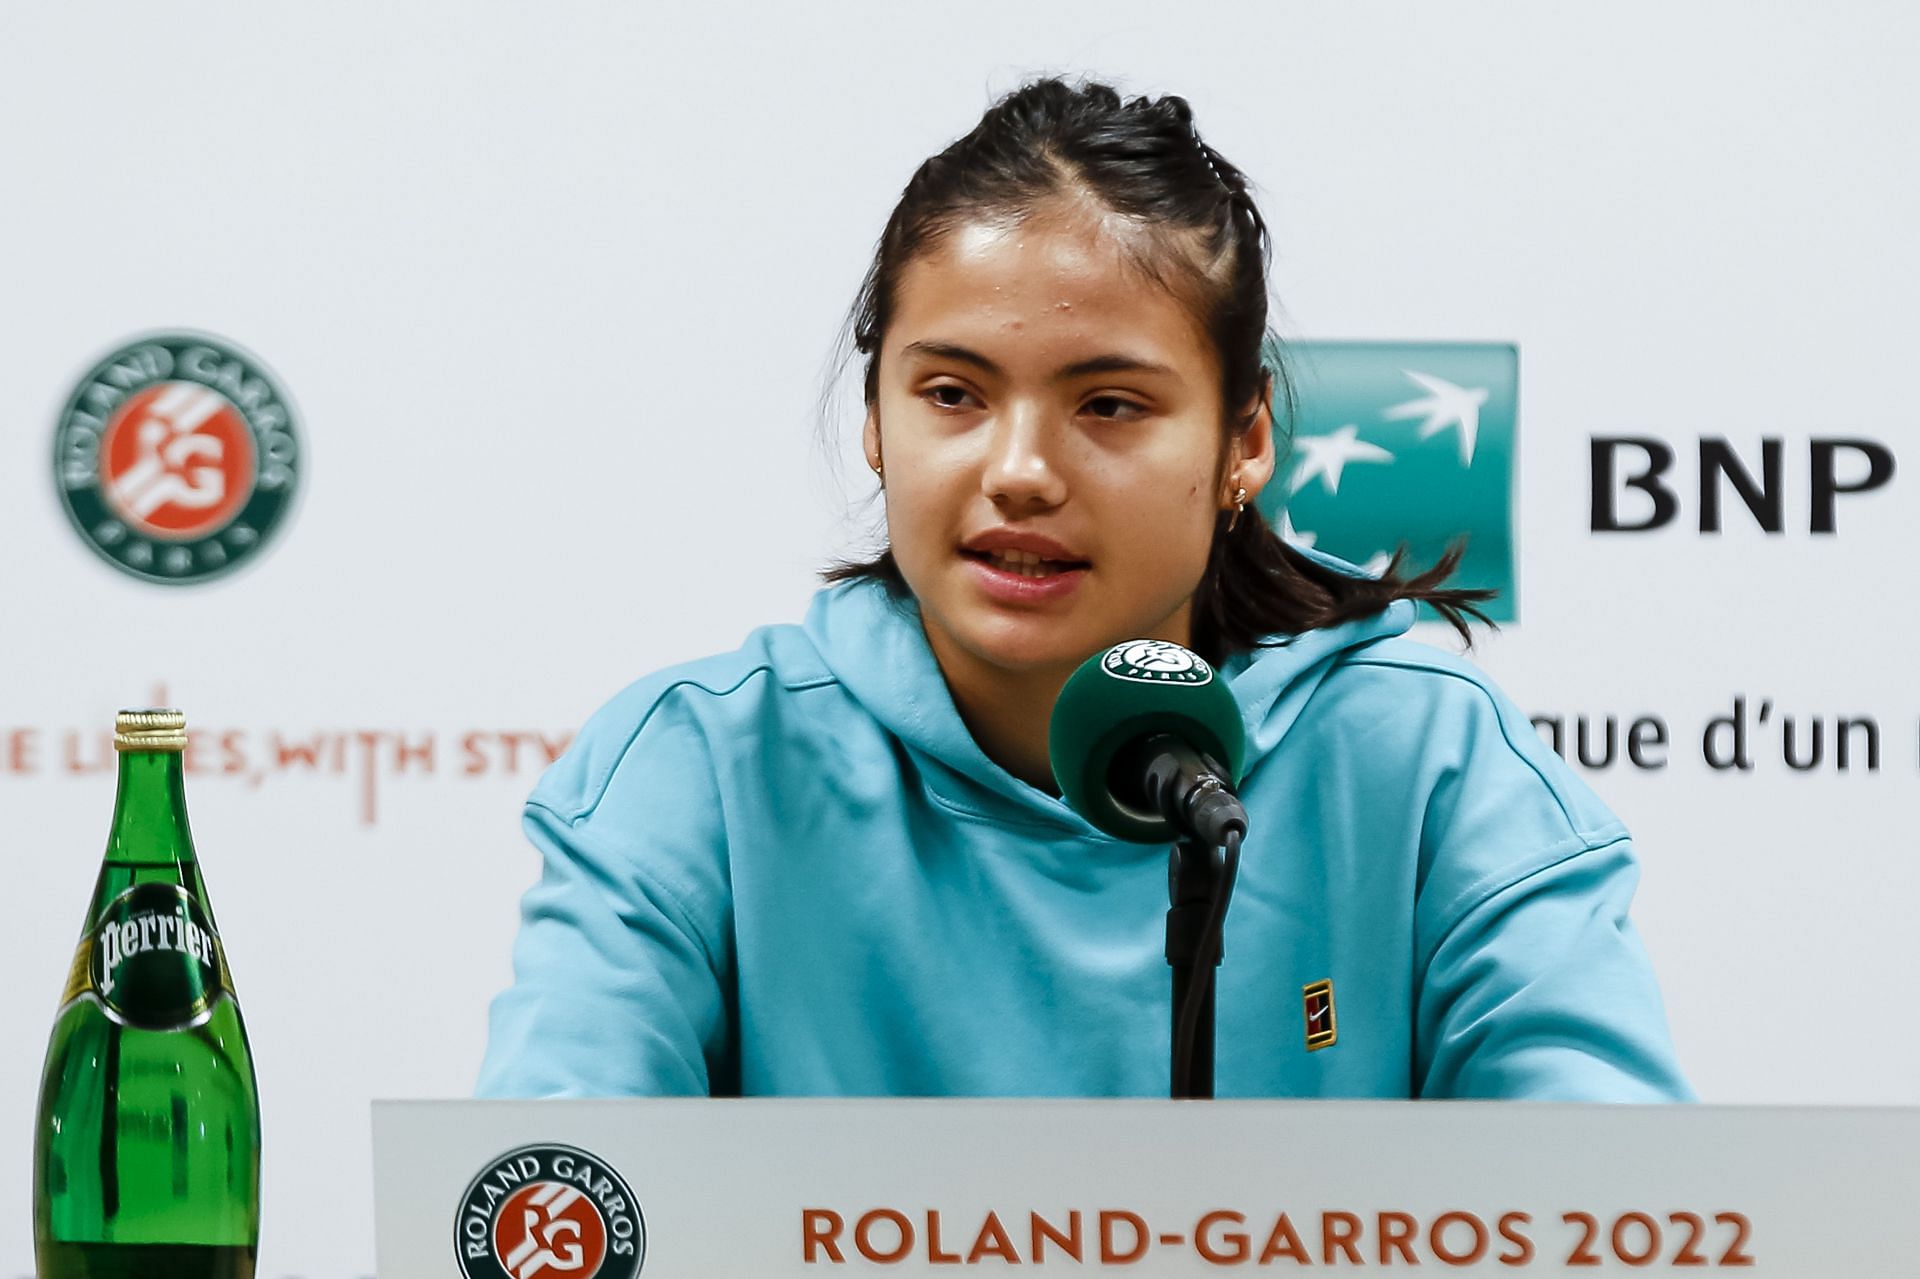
<point x="1239" y="505"/>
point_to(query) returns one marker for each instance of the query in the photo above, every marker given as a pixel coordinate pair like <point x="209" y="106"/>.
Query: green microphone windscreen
<point x="1130" y="691"/>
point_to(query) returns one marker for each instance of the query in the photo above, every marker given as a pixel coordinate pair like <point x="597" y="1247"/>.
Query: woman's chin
<point x="1030" y="645"/>
<point x="1023" y="637"/>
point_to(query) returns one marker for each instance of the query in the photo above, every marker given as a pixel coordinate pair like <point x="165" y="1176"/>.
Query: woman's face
<point x="1039" y="400"/>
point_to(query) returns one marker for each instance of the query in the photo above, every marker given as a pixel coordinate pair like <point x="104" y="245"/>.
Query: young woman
<point x="834" y="862"/>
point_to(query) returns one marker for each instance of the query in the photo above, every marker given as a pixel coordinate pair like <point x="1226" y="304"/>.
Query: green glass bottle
<point x="147" y="1146"/>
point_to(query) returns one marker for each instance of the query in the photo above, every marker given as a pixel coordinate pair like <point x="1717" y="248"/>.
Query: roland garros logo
<point x="549" y="1211"/>
<point x="176" y="457"/>
<point x="1149" y="661"/>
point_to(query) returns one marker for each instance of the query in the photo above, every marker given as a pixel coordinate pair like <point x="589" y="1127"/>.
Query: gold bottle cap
<point x="150" y="730"/>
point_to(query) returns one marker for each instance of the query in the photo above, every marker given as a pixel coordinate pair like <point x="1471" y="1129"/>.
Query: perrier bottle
<point x="147" y="1147"/>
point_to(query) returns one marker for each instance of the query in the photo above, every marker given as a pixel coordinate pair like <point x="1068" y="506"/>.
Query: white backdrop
<point x="553" y="286"/>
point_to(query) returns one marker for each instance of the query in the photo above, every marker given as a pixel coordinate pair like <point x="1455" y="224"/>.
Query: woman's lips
<point x="1000" y="581"/>
<point x="1013" y="543"/>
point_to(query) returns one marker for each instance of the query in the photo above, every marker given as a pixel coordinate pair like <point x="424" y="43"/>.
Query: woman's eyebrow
<point x="1081" y="368"/>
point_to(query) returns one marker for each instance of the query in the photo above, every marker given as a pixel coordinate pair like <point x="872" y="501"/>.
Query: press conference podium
<point x="699" y="1189"/>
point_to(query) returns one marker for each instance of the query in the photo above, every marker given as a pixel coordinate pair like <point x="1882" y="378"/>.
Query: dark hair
<point x="1144" y="159"/>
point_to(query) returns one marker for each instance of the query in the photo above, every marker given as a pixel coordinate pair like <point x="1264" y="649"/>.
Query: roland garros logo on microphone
<point x="177" y="457"/>
<point x="1150" y="661"/>
<point x="549" y="1210"/>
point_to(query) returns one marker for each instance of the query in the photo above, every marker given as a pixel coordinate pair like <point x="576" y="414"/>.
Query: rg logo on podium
<point x="549" y="1211"/>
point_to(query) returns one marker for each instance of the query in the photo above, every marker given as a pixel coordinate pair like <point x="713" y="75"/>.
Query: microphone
<point x="1146" y="743"/>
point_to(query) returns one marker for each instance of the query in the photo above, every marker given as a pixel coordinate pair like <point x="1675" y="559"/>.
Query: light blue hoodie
<point x="790" y="870"/>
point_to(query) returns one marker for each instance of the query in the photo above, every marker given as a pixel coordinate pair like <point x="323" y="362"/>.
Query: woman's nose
<point x="1021" y="467"/>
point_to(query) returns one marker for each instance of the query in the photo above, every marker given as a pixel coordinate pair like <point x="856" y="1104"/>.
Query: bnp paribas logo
<point x="1404" y="442"/>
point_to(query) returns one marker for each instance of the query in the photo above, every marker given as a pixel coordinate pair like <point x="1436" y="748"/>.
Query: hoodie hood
<point x="874" y="644"/>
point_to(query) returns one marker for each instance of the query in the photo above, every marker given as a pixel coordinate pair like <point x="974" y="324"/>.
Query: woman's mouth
<point x="1024" y="563"/>
<point x="1024" y="578"/>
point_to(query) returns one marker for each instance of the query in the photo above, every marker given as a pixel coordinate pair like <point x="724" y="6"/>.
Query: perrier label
<point x="147" y="1146"/>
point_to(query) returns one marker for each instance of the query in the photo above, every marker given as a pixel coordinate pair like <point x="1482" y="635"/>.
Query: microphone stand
<point x="1198" y="877"/>
<point x="1185" y="787"/>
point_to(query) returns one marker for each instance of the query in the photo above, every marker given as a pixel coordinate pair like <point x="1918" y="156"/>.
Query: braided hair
<point x="1202" y="238"/>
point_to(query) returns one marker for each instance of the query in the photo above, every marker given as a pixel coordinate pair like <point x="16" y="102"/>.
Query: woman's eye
<point x="1113" y="408"/>
<point x="947" y="397"/>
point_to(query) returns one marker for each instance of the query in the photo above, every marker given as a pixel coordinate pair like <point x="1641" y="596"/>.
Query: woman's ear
<point x="870" y="438"/>
<point x="1253" y="455"/>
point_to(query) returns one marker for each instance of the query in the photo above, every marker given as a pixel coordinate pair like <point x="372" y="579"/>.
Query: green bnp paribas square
<point x="1404" y="443"/>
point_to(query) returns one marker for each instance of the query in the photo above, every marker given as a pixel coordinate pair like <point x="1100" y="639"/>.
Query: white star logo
<point x="1324" y="457"/>
<point x="1445" y="405"/>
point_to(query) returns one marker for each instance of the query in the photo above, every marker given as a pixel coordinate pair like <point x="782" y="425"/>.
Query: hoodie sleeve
<point x="1531" y="981"/>
<point x="1541" y="990"/>
<point x="622" y="960"/>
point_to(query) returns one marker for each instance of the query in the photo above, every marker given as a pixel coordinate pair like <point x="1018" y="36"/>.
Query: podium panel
<point x="700" y="1189"/>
